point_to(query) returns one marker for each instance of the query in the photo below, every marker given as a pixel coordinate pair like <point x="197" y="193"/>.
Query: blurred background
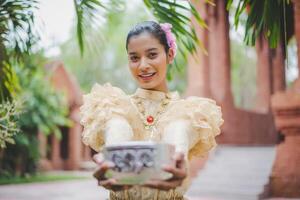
<point x="241" y="53"/>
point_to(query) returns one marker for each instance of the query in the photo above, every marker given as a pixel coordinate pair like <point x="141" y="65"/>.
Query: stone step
<point x="227" y="185"/>
<point x="230" y="190"/>
<point x="222" y="196"/>
<point x="233" y="172"/>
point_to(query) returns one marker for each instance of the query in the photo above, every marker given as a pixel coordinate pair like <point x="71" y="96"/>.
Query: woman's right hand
<point x="99" y="174"/>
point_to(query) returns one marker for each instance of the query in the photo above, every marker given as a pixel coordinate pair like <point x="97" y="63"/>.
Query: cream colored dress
<point x="110" y="116"/>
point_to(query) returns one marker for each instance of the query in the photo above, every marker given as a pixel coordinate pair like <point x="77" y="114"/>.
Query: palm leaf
<point x="269" y="18"/>
<point x="17" y="37"/>
<point x="17" y="26"/>
<point x="88" y="14"/>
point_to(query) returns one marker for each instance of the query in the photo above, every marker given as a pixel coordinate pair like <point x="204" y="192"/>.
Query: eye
<point x="152" y="55"/>
<point x="134" y="58"/>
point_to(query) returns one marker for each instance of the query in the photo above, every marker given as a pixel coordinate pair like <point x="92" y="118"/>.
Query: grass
<point x="39" y="178"/>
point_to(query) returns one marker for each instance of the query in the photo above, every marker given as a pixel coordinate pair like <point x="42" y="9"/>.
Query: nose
<point x="144" y="66"/>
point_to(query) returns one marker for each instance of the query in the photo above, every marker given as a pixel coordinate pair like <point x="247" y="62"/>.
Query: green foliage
<point x="38" y="178"/>
<point x="273" y="19"/>
<point x="9" y="112"/>
<point x="43" y="109"/>
<point x="17" y="25"/>
<point x="9" y="85"/>
<point x="87" y="13"/>
<point x="243" y="75"/>
<point x="17" y="37"/>
<point x="106" y="59"/>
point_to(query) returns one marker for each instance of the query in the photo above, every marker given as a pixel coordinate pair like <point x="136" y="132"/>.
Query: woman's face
<point x="148" y="61"/>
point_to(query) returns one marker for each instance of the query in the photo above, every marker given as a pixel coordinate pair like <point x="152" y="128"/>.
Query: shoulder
<point x="204" y="119"/>
<point x="104" y="99"/>
<point x="105" y="94"/>
<point x="106" y="90"/>
<point x="195" y="102"/>
<point x="196" y="109"/>
<point x="100" y="105"/>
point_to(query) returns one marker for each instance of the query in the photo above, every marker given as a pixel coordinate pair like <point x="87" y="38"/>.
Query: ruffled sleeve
<point x="103" y="103"/>
<point x="204" y="119"/>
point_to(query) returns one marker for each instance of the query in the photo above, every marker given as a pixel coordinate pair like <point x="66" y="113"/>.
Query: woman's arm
<point x="117" y="130"/>
<point x="175" y="133"/>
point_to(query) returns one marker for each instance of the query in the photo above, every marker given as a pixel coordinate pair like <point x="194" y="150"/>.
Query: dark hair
<point x="151" y="27"/>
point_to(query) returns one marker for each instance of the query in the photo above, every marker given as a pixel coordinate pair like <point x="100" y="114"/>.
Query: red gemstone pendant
<point x="150" y="119"/>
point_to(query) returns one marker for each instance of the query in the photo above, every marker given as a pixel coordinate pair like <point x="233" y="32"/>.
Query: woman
<point x="109" y="116"/>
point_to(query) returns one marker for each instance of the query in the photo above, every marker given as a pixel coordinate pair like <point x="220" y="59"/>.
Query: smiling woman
<point x="150" y="49"/>
<point x="110" y="116"/>
<point x="148" y="61"/>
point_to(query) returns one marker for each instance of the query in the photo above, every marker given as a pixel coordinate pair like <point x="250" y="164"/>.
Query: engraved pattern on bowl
<point x="138" y="161"/>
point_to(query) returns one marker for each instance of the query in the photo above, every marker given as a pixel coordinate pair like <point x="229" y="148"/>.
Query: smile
<point x="147" y="76"/>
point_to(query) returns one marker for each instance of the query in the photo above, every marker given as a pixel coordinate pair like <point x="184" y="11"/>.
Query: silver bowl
<point x="138" y="161"/>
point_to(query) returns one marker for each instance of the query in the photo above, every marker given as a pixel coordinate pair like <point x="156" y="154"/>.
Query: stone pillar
<point x="278" y="66"/>
<point x="55" y="153"/>
<point x="264" y="75"/>
<point x="297" y="29"/>
<point x="198" y="64"/>
<point x="42" y="145"/>
<point x="285" y="177"/>
<point x="87" y="154"/>
<point x="219" y="53"/>
<point x="74" y="143"/>
<point x="44" y="164"/>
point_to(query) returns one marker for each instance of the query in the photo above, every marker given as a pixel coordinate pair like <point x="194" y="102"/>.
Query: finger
<point x="107" y="183"/>
<point x="120" y="187"/>
<point x="179" y="160"/>
<point x="163" y="185"/>
<point x="110" y="185"/>
<point x="98" y="158"/>
<point x="99" y="173"/>
<point x="178" y="156"/>
<point x="177" y="172"/>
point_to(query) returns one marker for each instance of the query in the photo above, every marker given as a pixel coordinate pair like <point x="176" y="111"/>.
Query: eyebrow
<point x="151" y="49"/>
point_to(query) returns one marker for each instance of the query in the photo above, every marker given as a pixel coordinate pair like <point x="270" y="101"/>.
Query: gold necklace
<point x="150" y="121"/>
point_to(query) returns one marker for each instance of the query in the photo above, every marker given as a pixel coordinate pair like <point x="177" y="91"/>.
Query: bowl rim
<point x="134" y="145"/>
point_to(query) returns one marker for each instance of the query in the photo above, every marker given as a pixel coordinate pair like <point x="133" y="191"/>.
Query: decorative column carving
<point x="285" y="177"/>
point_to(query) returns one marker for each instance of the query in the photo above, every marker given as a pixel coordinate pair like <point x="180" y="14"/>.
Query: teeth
<point x="147" y="75"/>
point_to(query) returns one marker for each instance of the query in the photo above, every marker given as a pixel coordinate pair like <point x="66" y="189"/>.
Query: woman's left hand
<point x="179" y="174"/>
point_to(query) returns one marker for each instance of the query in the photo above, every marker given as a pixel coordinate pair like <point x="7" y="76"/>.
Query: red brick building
<point x="68" y="153"/>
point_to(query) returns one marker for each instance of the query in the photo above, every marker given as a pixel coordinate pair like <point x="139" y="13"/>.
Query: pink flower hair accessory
<point x="171" y="39"/>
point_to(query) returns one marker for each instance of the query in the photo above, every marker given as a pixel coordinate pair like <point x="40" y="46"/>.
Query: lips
<point x="147" y="76"/>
